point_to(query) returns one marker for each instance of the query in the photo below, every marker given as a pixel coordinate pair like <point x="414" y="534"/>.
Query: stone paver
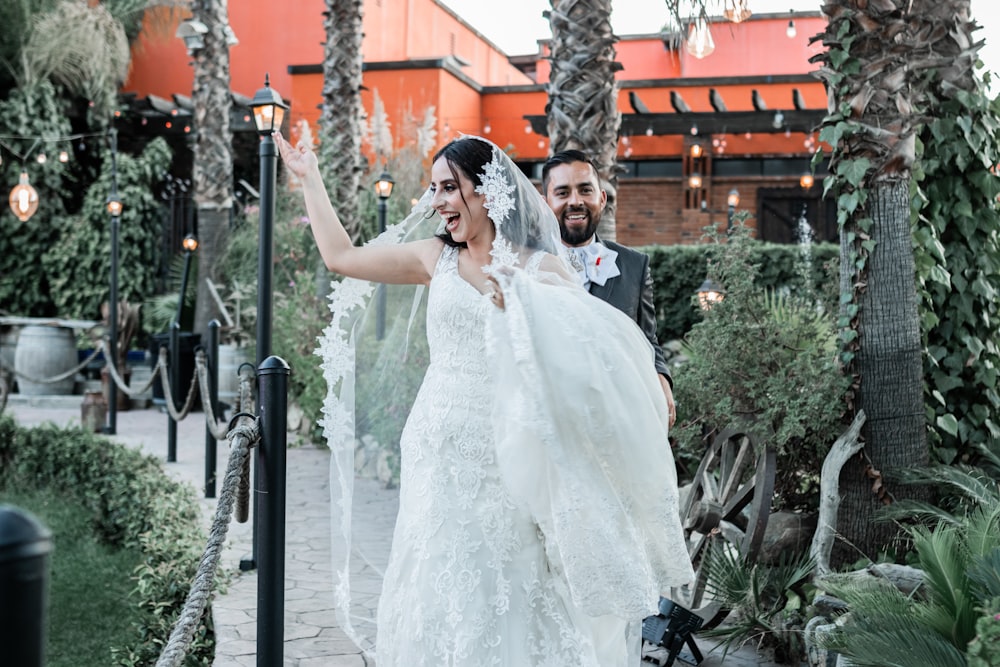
<point x="311" y="635"/>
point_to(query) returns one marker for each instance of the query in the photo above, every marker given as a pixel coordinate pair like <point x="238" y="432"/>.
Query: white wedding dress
<point x="493" y="559"/>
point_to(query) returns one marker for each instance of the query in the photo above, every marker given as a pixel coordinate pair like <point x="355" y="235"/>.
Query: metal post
<point x="25" y="545"/>
<point x="112" y="350"/>
<point x="272" y="382"/>
<point x="380" y="293"/>
<point x="265" y="278"/>
<point x="184" y="285"/>
<point x="265" y="249"/>
<point x="213" y="400"/>
<point x="174" y="375"/>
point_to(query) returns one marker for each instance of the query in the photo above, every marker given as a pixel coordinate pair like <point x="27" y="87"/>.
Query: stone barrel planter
<point x="42" y="352"/>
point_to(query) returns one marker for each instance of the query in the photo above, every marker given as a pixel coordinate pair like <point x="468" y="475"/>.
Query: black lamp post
<point x="190" y="244"/>
<point x="114" y="207"/>
<point x="383" y="189"/>
<point x="269" y="462"/>
<point x="268" y="114"/>
<point x="732" y="201"/>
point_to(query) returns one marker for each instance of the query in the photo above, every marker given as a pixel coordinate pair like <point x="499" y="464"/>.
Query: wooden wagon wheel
<point x="727" y="505"/>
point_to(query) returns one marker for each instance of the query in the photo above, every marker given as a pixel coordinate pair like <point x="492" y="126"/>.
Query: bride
<point x="538" y="519"/>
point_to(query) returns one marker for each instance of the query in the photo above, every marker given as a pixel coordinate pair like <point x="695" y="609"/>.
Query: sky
<point x="520" y="24"/>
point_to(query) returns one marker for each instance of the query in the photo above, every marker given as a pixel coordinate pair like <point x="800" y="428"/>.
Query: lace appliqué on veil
<point x="499" y="194"/>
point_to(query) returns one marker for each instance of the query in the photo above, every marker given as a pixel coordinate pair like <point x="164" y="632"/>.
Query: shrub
<point x="766" y="359"/>
<point x="133" y="504"/>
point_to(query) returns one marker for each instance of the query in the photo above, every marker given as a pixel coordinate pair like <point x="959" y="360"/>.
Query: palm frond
<point x="904" y="645"/>
<point x="984" y="572"/>
<point x="943" y="558"/>
<point x="82" y="47"/>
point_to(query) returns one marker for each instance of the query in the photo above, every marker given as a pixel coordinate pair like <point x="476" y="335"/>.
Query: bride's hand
<point x="299" y="160"/>
<point x="495" y="293"/>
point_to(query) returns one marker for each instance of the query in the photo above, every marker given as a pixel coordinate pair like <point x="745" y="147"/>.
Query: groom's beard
<point x="574" y="236"/>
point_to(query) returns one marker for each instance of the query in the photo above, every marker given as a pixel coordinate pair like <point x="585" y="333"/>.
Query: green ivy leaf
<point x="948" y="424"/>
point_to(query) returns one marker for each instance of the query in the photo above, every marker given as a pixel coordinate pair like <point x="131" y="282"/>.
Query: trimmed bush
<point x="133" y="503"/>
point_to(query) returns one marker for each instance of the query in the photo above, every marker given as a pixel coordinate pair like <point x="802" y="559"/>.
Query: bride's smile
<point x="457" y="202"/>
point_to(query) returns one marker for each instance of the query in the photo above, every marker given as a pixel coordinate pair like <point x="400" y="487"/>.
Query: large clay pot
<point x="45" y="352"/>
<point x="230" y="360"/>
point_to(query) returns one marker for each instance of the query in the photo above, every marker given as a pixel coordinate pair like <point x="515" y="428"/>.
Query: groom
<point x="609" y="271"/>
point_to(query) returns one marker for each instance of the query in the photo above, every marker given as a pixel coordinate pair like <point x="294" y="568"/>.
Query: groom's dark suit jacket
<point x="632" y="293"/>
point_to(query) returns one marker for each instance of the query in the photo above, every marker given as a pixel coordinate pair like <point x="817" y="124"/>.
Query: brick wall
<point x="651" y="210"/>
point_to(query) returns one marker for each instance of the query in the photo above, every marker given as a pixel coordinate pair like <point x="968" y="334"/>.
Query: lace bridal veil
<point x="579" y="420"/>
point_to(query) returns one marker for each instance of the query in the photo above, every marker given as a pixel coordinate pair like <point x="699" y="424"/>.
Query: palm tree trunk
<point x="213" y="155"/>
<point x="873" y="92"/>
<point x="583" y="94"/>
<point x="340" y="118"/>
<point x="889" y="364"/>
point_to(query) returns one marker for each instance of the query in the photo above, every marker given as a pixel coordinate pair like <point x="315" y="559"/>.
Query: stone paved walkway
<point x="311" y="635"/>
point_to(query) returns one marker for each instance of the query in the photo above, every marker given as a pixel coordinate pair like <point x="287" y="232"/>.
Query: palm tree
<point x="583" y="95"/>
<point x="883" y="64"/>
<point x="212" y="175"/>
<point x="340" y="118"/>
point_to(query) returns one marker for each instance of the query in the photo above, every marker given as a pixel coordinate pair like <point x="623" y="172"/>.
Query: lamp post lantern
<point x="732" y="201"/>
<point x="709" y="294"/>
<point x="190" y="244"/>
<point x="114" y="207"/>
<point x="383" y="189"/>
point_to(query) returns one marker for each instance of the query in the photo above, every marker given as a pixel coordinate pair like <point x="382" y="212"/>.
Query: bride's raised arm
<point x="408" y="263"/>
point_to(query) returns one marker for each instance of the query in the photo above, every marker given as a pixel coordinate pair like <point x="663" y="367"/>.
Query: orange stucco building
<point x="750" y="106"/>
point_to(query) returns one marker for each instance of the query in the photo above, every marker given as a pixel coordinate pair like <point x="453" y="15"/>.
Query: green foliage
<point x="960" y="561"/>
<point x="984" y="650"/>
<point x="87" y="583"/>
<point x="678" y="271"/>
<point x="37" y="112"/>
<point x="133" y="504"/>
<point x="766" y="359"/>
<point x="933" y="627"/>
<point x="768" y="602"/>
<point x="957" y="254"/>
<point x="79" y="263"/>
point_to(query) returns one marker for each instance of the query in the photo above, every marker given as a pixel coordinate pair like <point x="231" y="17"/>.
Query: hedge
<point x="133" y="504"/>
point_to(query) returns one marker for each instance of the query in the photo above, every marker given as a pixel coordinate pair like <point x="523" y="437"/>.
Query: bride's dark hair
<point x="467" y="157"/>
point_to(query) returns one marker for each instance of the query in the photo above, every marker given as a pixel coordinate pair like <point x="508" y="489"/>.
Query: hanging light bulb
<point x="790" y="30"/>
<point x="64" y="156"/>
<point x="23" y="198"/>
<point x="486" y="128"/>
<point x="41" y="158"/>
<point x="694" y="181"/>
<point x="700" y="43"/>
<point x="696" y="150"/>
<point x="736" y="11"/>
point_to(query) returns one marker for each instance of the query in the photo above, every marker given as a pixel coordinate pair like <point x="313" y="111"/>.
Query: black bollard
<point x="175" y="378"/>
<point x="272" y="379"/>
<point x="25" y="545"/>
<point x="212" y="359"/>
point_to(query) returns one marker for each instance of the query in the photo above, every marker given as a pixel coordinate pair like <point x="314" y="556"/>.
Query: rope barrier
<point x="242" y="437"/>
<point x="202" y="376"/>
<point x="57" y="378"/>
<point x="168" y="398"/>
<point x="119" y="382"/>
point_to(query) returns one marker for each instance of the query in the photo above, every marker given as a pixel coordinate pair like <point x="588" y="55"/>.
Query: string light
<point x="23" y="198"/>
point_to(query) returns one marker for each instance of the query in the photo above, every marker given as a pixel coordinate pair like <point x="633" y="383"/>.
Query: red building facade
<point x="750" y="107"/>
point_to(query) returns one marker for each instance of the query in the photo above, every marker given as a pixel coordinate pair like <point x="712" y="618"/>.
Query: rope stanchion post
<point x="213" y="400"/>
<point x="25" y="545"/>
<point x="272" y="377"/>
<point x="175" y="378"/>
